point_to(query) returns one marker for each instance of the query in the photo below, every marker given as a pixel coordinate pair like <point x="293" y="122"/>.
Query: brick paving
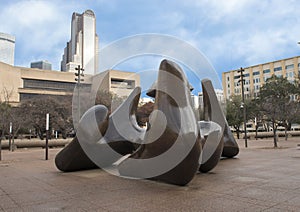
<point x="261" y="178"/>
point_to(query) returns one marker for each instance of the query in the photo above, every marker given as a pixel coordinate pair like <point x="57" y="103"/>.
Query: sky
<point x="229" y="33"/>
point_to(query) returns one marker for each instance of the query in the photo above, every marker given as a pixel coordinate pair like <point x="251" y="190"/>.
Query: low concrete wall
<point x="251" y="135"/>
<point x="36" y="143"/>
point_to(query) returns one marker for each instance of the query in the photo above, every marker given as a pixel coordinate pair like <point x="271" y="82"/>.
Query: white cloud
<point x="236" y="33"/>
<point x="232" y="33"/>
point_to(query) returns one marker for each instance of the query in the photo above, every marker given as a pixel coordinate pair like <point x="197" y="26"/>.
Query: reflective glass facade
<point x="7" y="48"/>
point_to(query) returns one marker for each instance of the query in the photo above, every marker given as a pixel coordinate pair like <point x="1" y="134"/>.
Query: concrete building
<point x="220" y="97"/>
<point x="20" y="83"/>
<point x="82" y="49"/>
<point x="119" y="82"/>
<point x="255" y="76"/>
<point x="7" y="48"/>
<point x="195" y="101"/>
<point x="44" y="64"/>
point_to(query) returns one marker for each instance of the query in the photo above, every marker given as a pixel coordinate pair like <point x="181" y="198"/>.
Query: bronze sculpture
<point x="74" y="158"/>
<point x="213" y="111"/>
<point x="169" y="151"/>
<point x="172" y="98"/>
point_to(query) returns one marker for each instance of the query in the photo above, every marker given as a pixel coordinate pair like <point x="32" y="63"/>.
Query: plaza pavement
<point x="259" y="179"/>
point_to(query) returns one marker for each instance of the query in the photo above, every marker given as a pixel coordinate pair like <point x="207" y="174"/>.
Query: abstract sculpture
<point x="213" y="112"/>
<point x="73" y="158"/>
<point x="173" y="148"/>
<point x="180" y="132"/>
<point x="216" y="138"/>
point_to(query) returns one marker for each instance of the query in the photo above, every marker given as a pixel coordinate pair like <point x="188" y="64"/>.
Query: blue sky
<point x="230" y="33"/>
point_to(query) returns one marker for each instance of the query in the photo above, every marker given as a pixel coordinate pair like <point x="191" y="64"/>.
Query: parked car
<point x="295" y="127"/>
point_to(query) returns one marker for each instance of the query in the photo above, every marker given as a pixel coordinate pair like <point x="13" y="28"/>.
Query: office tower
<point x="82" y="49"/>
<point x="255" y="76"/>
<point x="7" y="48"/>
<point x="44" y="64"/>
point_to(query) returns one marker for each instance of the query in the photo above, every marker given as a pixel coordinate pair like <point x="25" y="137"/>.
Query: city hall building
<point x="255" y="76"/>
<point x="19" y="83"/>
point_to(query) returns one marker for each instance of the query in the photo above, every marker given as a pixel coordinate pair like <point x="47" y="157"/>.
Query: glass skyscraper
<point x="7" y="48"/>
<point x="82" y="49"/>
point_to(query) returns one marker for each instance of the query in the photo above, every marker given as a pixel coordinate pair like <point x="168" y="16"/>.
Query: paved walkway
<point x="260" y="179"/>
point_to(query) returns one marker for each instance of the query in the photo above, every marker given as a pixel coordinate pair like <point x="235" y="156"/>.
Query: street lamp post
<point x="10" y="137"/>
<point x="79" y="75"/>
<point x="243" y="104"/>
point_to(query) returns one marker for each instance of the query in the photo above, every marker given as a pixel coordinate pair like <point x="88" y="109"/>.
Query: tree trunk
<point x="274" y="134"/>
<point x="15" y="133"/>
<point x="39" y="133"/>
<point x="237" y="133"/>
<point x="0" y="148"/>
<point x="1" y="136"/>
<point x="285" y="132"/>
<point x="268" y="127"/>
<point x="256" y="129"/>
<point x="13" y="143"/>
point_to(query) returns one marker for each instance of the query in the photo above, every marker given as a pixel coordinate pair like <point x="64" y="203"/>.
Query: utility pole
<point x="79" y="75"/>
<point x="243" y="103"/>
<point x="47" y="136"/>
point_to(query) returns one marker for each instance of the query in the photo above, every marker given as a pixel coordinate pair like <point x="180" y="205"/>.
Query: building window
<point x="255" y="73"/>
<point x="290" y="74"/>
<point x="289" y="66"/>
<point x="237" y="77"/>
<point x="122" y="84"/>
<point x="237" y="90"/>
<point x="278" y="69"/>
<point x="50" y="85"/>
<point x="266" y="71"/>
<point x="246" y="75"/>
<point x="256" y="80"/>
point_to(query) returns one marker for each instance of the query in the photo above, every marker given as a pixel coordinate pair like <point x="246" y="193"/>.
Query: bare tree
<point x="234" y="115"/>
<point x="5" y="113"/>
<point x="275" y="101"/>
<point x="109" y="99"/>
<point x="35" y="110"/>
<point x="143" y="113"/>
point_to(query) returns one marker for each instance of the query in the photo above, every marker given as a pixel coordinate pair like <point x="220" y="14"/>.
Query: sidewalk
<point x="259" y="179"/>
